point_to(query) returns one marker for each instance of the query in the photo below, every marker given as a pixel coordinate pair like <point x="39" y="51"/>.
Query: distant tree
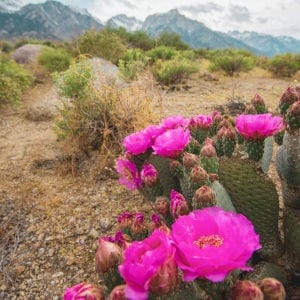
<point x="172" y="39"/>
<point x="141" y="40"/>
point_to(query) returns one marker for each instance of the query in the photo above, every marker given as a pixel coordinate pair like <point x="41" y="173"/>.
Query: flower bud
<point x="246" y="290"/>
<point x="138" y="226"/>
<point x="198" y="175"/>
<point x="208" y="150"/>
<point x="204" y="197"/>
<point x="162" y="205"/>
<point x="178" y="205"/>
<point x="250" y="109"/>
<point x="166" y="278"/>
<point x="118" y="293"/>
<point x="293" y="115"/>
<point x="155" y="222"/>
<point x="213" y="177"/>
<point x="108" y="255"/>
<point x="229" y="133"/>
<point x="124" y="220"/>
<point x="272" y="289"/>
<point x="189" y="160"/>
<point x="84" y="291"/>
<point x="288" y="98"/>
<point x="221" y="132"/>
<point x="259" y="104"/>
<point x="149" y="175"/>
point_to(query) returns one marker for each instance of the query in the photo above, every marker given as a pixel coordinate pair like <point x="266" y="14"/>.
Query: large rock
<point x="28" y="54"/>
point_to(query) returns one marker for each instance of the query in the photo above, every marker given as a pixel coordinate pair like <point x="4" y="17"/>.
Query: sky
<point x="276" y="17"/>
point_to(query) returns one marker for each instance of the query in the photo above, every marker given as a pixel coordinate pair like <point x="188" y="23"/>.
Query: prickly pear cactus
<point x="266" y="269"/>
<point x="167" y="181"/>
<point x="254" y="195"/>
<point x="267" y="156"/>
<point x="222" y="198"/>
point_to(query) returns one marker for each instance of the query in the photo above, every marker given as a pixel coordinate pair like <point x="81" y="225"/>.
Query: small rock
<point x="20" y="269"/>
<point x="51" y="252"/>
<point x="41" y="251"/>
<point x="3" y="287"/>
<point x="105" y="223"/>
<point x="70" y="261"/>
<point x="93" y="233"/>
<point x="41" y="237"/>
<point x="59" y="274"/>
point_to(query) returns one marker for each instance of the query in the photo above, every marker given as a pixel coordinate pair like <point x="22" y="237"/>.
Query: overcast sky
<point x="275" y="17"/>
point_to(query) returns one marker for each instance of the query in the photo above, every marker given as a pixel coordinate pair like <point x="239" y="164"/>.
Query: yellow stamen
<point x="209" y="240"/>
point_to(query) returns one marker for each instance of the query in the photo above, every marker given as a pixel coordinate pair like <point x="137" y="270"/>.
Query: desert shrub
<point x="132" y="63"/>
<point x="54" y="59"/>
<point x="140" y="39"/>
<point x="174" y="70"/>
<point x="96" y="119"/>
<point x="171" y="39"/>
<point x="104" y="44"/>
<point x="201" y="53"/>
<point x="6" y="46"/>
<point x="14" y="80"/>
<point x="161" y="52"/>
<point x="232" y="61"/>
<point x="188" y="54"/>
<point x="284" y="65"/>
<point x="22" y="42"/>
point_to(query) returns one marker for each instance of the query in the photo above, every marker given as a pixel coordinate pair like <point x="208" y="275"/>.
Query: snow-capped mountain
<point x="129" y="23"/>
<point x="10" y="5"/>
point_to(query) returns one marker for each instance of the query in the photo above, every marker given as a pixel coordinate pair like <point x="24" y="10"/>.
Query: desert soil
<point x="50" y="219"/>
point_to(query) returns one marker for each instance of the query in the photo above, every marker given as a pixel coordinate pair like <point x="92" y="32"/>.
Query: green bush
<point x="140" y="39"/>
<point x="54" y="60"/>
<point x="14" y="80"/>
<point x="133" y="62"/>
<point x="170" y="39"/>
<point x="232" y="61"/>
<point x="104" y="44"/>
<point x="161" y="52"/>
<point x="174" y="70"/>
<point x="284" y="65"/>
<point x="6" y="46"/>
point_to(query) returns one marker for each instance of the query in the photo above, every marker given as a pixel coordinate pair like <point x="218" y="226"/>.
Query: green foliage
<point x="174" y="70"/>
<point x="54" y="60"/>
<point x="132" y="63"/>
<point x="232" y="61"/>
<point x="171" y="39"/>
<point x="34" y="41"/>
<point x="161" y="52"/>
<point x="104" y="44"/>
<point x="6" y="46"/>
<point x="284" y="65"/>
<point x="14" y="80"/>
<point x="140" y="39"/>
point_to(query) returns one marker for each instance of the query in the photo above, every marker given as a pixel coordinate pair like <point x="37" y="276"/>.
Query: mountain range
<point x="54" y="20"/>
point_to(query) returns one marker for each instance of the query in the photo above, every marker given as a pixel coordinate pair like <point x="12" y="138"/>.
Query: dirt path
<point x="50" y="221"/>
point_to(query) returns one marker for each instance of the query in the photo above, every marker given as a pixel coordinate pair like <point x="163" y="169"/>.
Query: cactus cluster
<point x="207" y="180"/>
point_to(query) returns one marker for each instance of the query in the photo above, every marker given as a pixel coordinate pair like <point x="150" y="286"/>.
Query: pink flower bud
<point x="204" y="197"/>
<point x="198" y="175"/>
<point x="178" y="205"/>
<point x="108" y="255"/>
<point x="257" y="100"/>
<point x="272" y="289"/>
<point x="189" y="160"/>
<point x="138" y="225"/>
<point x="250" y="109"/>
<point x="84" y="291"/>
<point x="288" y="98"/>
<point x="118" y="293"/>
<point x="125" y="220"/>
<point x="149" y="175"/>
<point x="165" y="279"/>
<point x="246" y="290"/>
<point x="221" y="132"/>
<point x="229" y="133"/>
<point x="155" y="222"/>
<point x="213" y="177"/>
<point x="162" y="205"/>
<point x="208" y="150"/>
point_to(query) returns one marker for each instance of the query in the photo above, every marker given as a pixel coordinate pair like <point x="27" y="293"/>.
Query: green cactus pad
<point x="167" y="181"/>
<point x="268" y="153"/>
<point x="288" y="157"/>
<point x="291" y="224"/>
<point x="150" y="193"/>
<point x="228" y="146"/>
<point x="222" y="198"/>
<point x="267" y="269"/>
<point x="291" y="195"/>
<point x="255" y="149"/>
<point x="210" y="164"/>
<point x="254" y="195"/>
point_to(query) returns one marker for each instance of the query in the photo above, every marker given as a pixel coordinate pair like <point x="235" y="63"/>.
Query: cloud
<point x="202" y="8"/>
<point x="239" y="13"/>
<point x="262" y="20"/>
<point x="128" y="4"/>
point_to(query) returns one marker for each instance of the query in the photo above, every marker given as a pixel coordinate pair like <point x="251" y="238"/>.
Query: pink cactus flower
<point x="154" y="131"/>
<point x="210" y="243"/>
<point x="174" y="122"/>
<point x="172" y="142"/>
<point x="143" y="260"/>
<point x="201" y="121"/>
<point x="149" y="175"/>
<point x="137" y="142"/>
<point x="130" y="176"/>
<point x="258" y="127"/>
<point x="84" y="291"/>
